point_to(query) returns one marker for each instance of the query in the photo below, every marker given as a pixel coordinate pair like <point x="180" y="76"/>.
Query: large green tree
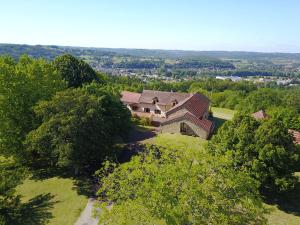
<point x="78" y="127"/>
<point x="163" y="186"/>
<point x="263" y="98"/>
<point x="289" y="116"/>
<point x="265" y="149"/>
<point x="22" y="85"/>
<point x="75" y="71"/>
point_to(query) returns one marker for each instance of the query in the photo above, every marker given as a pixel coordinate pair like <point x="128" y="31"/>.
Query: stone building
<point x="174" y="112"/>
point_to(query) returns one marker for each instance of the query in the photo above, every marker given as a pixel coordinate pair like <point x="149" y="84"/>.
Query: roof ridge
<point x="181" y="103"/>
<point x="177" y="117"/>
<point x="201" y="122"/>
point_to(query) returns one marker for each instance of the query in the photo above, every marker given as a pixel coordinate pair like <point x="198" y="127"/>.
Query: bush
<point x="143" y="121"/>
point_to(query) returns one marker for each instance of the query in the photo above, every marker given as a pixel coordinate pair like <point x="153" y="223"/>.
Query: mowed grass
<point x="279" y="217"/>
<point x="67" y="203"/>
<point x="222" y="113"/>
<point x="178" y="141"/>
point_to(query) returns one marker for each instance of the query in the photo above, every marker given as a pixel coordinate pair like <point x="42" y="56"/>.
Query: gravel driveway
<point x="86" y="217"/>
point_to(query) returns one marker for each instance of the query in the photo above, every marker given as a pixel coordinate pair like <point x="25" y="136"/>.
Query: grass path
<point x="67" y="203"/>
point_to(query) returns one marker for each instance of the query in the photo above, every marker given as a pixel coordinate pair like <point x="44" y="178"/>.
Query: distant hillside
<point x="109" y="58"/>
<point x="176" y="63"/>
<point x="51" y="51"/>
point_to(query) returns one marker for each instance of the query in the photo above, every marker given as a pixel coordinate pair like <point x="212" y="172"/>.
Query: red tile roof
<point x="163" y="97"/>
<point x="261" y="114"/>
<point x="130" y="97"/>
<point x="194" y="108"/>
<point x="197" y="104"/>
<point x="204" y="123"/>
<point x="194" y="105"/>
<point x="296" y="135"/>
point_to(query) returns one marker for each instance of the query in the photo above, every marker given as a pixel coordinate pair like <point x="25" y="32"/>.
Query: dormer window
<point x="174" y="102"/>
<point x="155" y="100"/>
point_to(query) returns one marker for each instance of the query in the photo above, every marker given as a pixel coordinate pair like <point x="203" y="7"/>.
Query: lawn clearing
<point x="279" y="217"/>
<point x="68" y="204"/>
<point x="178" y="141"/>
<point x="222" y="113"/>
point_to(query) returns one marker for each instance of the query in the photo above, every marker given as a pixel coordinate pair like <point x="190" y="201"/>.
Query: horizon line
<point x="153" y="49"/>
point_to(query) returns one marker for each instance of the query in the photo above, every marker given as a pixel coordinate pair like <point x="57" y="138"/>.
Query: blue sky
<point x="250" y="25"/>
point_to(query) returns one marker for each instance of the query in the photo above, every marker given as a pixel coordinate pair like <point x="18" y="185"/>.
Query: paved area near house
<point x="86" y="216"/>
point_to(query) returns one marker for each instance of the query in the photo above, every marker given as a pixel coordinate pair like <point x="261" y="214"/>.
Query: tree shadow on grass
<point x="129" y="151"/>
<point x="288" y="202"/>
<point x="139" y="133"/>
<point x="34" y="212"/>
<point x="40" y="173"/>
<point x="218" y="123"/>
<point x="85" y="186"/>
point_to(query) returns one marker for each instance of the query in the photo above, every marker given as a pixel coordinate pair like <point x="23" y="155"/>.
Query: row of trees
<point x="200" y="63"/>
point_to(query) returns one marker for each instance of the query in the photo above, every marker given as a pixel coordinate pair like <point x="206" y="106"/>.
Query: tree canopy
<point x="264" y="149"/>
<point x="75" y="71"/>
<point x="163" y="186"/>
<point x="22" y="85"/>
<point x="78" y="127"/>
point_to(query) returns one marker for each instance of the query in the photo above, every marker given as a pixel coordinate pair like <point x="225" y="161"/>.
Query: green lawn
<point x="178" y="141"/>
<point x="67" y="203"/>
<point x="222" y="113"/>
<point x="279" y="217"/>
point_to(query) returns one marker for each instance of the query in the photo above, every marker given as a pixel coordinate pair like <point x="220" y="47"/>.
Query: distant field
<point x="67" y="203"/>
<point x="223" y="113"/>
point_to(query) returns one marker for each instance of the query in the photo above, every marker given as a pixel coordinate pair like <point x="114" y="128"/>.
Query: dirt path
<point x="86" y="216"/>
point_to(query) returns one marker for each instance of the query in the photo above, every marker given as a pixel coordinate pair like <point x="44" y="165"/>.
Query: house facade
<point x="183" y="113"/>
